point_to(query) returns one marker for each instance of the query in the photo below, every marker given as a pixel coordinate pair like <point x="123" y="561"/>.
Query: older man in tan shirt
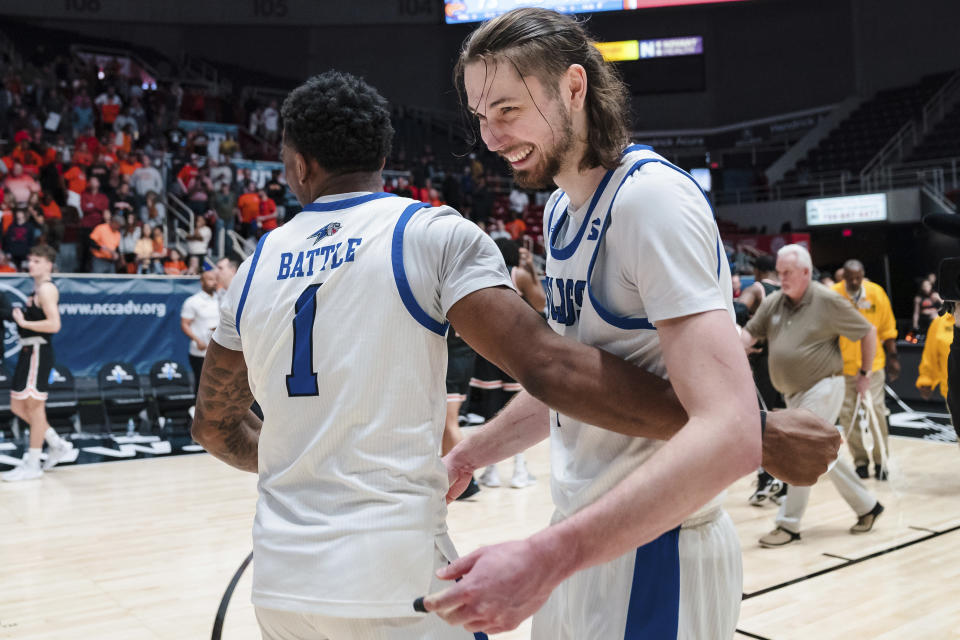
<point x="802" y="324"/>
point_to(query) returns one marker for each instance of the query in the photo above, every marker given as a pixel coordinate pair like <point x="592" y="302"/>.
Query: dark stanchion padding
<point x="120" y="393"/>
<point x="63" y="405"/>
<point x="171" y="392"/>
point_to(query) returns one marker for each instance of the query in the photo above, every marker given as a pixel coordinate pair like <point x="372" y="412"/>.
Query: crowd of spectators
<point x="88" y="154"/>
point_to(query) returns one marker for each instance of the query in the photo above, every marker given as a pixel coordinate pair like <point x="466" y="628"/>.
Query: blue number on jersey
<point x="302" y="380"/>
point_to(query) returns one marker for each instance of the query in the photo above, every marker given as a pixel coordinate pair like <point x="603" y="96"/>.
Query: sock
<point x="33" y="458"/>
<point x="519" y="461"/>
<point x="52" y="437"/>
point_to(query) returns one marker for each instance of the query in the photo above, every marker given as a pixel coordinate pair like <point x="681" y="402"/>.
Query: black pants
<point x="196" y="363"/>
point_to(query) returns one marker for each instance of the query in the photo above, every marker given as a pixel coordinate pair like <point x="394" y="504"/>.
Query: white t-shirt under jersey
<point x="659" y="258"/>
<point x="342" y="327"/>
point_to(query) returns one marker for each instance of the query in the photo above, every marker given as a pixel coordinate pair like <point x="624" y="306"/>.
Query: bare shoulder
<point x="47" y="291"/>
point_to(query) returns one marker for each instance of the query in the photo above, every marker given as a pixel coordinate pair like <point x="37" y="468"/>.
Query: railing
<point x="946" y="170"/>
<point x="242" y="246"/>
<point x="939" y="199"/>
<point x="117" y="53"/>
<point x="896" y="149"/>
<point x="202" y="71"/>
<point x="941" y="102"/>
<point x="178" y="212"/>
<point x="815" y="185"/>
<point x="936" y="176"/>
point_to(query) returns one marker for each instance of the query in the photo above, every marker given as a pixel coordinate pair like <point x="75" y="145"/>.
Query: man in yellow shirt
<point x="933" y="364"/>
<point x="872" y="302"/>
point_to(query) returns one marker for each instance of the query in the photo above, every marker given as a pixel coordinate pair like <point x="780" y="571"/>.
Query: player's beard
<point x="551" y="160"/>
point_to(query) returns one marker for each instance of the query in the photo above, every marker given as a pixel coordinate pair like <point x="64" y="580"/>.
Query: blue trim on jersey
<point x="400" y="274"/>
<point x="567" y="251"/>
<point x="654" y="609"/>
<point x="607" y="316"/>
<point x="480" y="636"/>
<point x="718" y="257"/>
<point x="246" y="284"/>
<point x="636" y="147"/>
<point x="336" y="205"/>
<point x="620" y="322"/>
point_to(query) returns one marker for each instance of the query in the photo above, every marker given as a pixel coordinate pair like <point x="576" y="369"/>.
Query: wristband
<point x="763" y="422"/>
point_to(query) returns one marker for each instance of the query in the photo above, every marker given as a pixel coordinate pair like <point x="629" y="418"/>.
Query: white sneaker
<point x="490" y="477"/>
<point x="475" y="419"/>
<point x="23" y="472"/>
<point x="521" y="478"/>
<point x="56" y="454"/>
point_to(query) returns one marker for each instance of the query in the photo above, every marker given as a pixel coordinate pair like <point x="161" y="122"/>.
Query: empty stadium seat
<point x="63" y="406"/>
<point x="171" y="392"/>
<point x="120" y="394"/>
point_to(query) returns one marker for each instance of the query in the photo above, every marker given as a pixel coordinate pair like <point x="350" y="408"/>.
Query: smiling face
<point x="521" y="120"/>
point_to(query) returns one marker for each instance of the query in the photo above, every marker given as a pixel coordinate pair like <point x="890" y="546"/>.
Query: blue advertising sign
<point x="104" y="318"/>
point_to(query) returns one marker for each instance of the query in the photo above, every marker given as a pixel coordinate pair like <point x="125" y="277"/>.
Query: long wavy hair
<point x="543" y="44"/>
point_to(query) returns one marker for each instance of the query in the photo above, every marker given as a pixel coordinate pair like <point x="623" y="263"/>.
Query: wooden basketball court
<point x="144" y="549"/>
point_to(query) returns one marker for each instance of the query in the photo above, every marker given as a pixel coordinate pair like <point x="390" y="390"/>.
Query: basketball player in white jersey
<point x="640" y="546"/>
<point x="336" y="327"/>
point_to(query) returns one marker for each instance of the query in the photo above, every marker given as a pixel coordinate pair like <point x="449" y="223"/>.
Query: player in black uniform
<point x="460" y="359"/>
<point x="765" y="283"/>
<point x="38" y="321"/>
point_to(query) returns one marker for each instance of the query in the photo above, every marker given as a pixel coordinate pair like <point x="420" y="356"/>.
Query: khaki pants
<point x="853" y="436"/>
<point x="824" y="399"/>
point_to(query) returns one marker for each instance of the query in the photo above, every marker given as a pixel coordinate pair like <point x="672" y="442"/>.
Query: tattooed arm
<point x="223" y="422"/>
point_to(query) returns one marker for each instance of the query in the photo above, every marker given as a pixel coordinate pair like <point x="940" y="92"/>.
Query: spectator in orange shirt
<point x="123" y="140"/>
<point x="76" y="178"/>
<point x="90" y="140"/>
<point x="7" y="218"/>
<point x="109" y="104"/>
<point x="516" y="227"/>
<point x="53" y="220"/>
<point x="128" y="164"/>
<point x="5" y="266"/>
<point x="174" y="264"/>
<point x="187" y="175"/>
<point x="82" y="156"/>
<point x="27" y="157"/>
<point x="434" y="198"/>
<point x="104" y="242"/>
<point x="267" y="218"/>
<point x="249" y="206"/>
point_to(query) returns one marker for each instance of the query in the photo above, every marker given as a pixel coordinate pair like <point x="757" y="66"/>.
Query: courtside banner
<point x="104" y="318"/>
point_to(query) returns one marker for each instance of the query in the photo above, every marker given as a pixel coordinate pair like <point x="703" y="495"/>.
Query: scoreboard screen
<point x="457" y="11"/>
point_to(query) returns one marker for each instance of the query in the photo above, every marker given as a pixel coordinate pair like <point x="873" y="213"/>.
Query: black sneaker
<point x="879" y="472"/>
<point x="472" y="489"/>
<point x="781" y="495"/>
<point x="865" y="522"/>
<point x="767" y="488"/>
<point x="863" y="471"/>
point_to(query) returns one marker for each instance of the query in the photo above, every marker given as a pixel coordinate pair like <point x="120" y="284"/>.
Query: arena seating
<point x="943" y="141"/>
<point x="861" y="135"/>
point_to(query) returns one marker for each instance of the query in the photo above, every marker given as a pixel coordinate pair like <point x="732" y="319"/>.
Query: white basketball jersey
<point x="644" y="249"/>
<point x="340" y="317"/>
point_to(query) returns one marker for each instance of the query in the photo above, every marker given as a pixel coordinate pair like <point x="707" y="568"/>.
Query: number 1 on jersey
<point x="302" y="380"/>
